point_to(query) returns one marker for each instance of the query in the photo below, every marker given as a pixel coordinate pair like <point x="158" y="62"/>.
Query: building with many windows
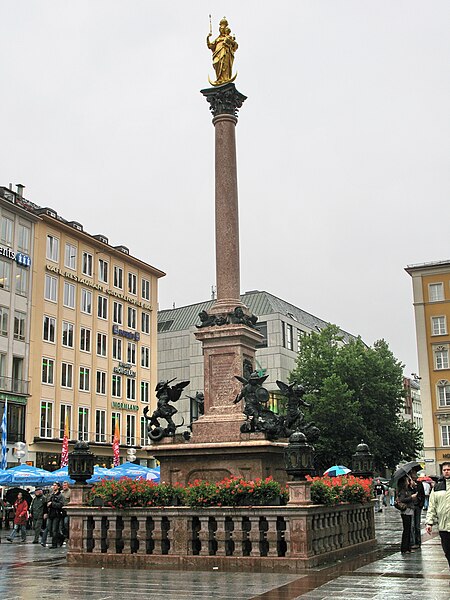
<point x="92" y="351"/>
<point x="431" y="296"/>
<point x="16" y="252"/>
<point x="282" y="325"/>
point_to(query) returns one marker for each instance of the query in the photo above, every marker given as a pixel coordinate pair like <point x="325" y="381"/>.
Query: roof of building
<point x="428" y="265"/>
<point x="259" y="302"/>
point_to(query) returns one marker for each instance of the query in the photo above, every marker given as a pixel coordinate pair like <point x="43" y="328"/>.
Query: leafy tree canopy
<point x="356" y="393"/>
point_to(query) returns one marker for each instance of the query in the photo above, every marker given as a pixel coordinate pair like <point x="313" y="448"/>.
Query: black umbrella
<point x="11" y="495"/>
<point x="406" y="469"/>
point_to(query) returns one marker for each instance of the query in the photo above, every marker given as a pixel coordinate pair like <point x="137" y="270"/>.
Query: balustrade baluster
<point x="221" y="536"/>
<point x="255" y="536"/>
<point x="97" y="535"/>
<point x="203" y="536"/>
<point x="272" y="536"/>
<point x="111" y="535"/>
<point x="141" y="535"/>
<point x="126" y="535"/>
<point x="157" y="535"/>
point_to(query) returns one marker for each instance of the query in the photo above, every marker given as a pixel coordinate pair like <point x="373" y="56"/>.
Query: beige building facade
<point x="431" y="296"/>
<point x="16" y="259"/>
<point x="92" y="342"/>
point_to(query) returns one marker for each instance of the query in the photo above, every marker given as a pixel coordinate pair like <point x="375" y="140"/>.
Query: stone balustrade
<point x="270" y="538"/>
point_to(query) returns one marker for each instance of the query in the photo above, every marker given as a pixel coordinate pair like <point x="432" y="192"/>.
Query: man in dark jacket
<point x="38" y="509"/>
<point x="54" y="508"/>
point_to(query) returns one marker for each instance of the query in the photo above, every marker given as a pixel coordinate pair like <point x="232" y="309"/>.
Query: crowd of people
<point x="45" y="516"/>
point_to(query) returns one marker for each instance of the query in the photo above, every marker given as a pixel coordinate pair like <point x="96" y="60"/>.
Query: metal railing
<point x="16" y="386"/>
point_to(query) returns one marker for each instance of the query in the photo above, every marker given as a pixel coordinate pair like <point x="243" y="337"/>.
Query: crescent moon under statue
<point x="215" y="83"/>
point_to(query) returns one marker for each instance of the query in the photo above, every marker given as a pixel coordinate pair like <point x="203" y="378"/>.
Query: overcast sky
<point x="343" y="143"/>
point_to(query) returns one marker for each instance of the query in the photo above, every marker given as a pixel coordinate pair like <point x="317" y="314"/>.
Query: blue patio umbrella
<point x="133" y="471"/>
<point x="23" y="475"/>
<point x="337" y="470"/>
<point x="62" y="474"/>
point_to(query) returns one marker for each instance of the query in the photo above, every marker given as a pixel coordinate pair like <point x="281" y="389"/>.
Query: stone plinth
<point x="184" y="463"/>
<point x="224" y="350"/>
<point x="299" y="493"/>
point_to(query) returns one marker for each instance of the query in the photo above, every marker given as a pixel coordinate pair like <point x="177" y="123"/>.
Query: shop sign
<point x="131" y="335"/>
<point x="124" y="406"/>
<point x="124" y="369"/>
<point x="21" y="259"/>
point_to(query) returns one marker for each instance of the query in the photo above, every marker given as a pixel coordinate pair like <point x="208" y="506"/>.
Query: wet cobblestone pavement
<point x="28" y="571"/>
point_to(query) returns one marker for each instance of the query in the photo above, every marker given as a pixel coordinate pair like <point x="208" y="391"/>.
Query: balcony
<point x="14" y="386"/>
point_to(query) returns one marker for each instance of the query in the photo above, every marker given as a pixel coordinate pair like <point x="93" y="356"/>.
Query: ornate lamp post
<point x="363" y="462"/>
<point x="298" y="457"/>
<point x="81" y="463"/>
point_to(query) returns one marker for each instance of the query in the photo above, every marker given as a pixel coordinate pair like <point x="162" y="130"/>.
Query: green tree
<point x="356" y="393"/>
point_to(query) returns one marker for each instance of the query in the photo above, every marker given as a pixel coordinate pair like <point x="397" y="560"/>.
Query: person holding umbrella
<point x="406" y="496"/>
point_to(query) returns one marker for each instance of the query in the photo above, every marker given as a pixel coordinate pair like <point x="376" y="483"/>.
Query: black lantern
<point x="362" y="461"/>
<point x="298" y="457"/>
<point x="81" y="463"/>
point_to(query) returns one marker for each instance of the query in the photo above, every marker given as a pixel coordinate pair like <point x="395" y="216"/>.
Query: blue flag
<point x="3" y="462"/>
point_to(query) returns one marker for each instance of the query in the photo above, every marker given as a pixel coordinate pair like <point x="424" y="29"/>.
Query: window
<point x="65" y="411"/>
<point x="145" y="289"/>
<point x="288" y="337"/>
<point x="443" y="388"/>
<point x="102" y="307"/>
<point x="132" y="317"/>
<point x="131" y="389"/>
<point x="145" y="357"/>
<point x="48" y="365"/>
<point x="46" y="419"/>
<point x="19" y="325"/>
<point x="100" y="387"/>
<point x="145" y="386"/>
<point x="144" y="434"/>
<point x="117" y="313"/>
<point x="102" y="344"/>
<point x="51" y="287"/>
<point x="132" y="283"/>
<point x="21" y="281"/>
<point x="86" y="264"/>
<point x="102" y="270"/>
<point x="6" y="231"/>
<point x="117" y="349"/>
<point x="4" y="316"/>
<point x="438" y="326"/>
<point x="441" y="357"/>
<point x="70" y="257"/>
<point x="86" y="301"/>
<point x="131" y="353"/>
<point x="116" y="388"/>
<point x="445" y="433"/>
<point x="66" y="375"/>
<point x="85" y="339"/>
<point x="261" y="326"/>
<point x="83" y="424"/>
<point x="23" y="238"/>
<point x="118" y="278"/>
<point x="100" y="425"/>
<point x="67" y="334"/>
<point x="5" y="275"/>
<point x="131" y="430"/>
<point x="300" y="335"/>
<point x="48" y="333"/>
<point x="69" y="295"/>
<point x="52" y="248"/>
<point x="84" y="379"/>
<point x="145" y="322"/>
<point x="115" y="418"/>
<point x="435" y="292"/>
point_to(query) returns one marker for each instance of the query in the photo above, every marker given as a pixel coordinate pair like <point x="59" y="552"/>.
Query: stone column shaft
<point x="227" y="214"/>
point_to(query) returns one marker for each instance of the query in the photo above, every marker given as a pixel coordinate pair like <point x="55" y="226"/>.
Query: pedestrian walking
<point x="378" y="490"/>
<point x="38" y="509"/>
<point x="439" y="510"/>
<point x="54" y="508"/>
<point x="65" y="492"/>
<point x="20" y="519"/>
<point x="427" y="491"/>
<point x="406" y="496"/>
<point x="391" y="495"/>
